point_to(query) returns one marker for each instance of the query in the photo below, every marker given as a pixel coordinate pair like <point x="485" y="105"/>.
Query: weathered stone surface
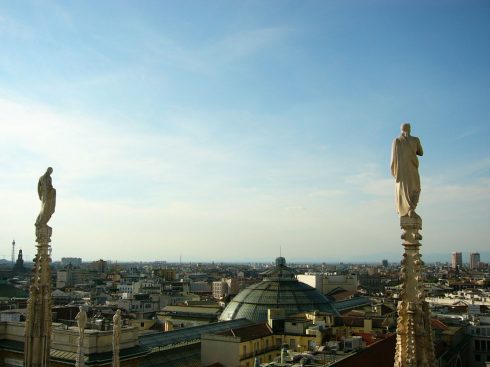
<point x="405" y="170"/>
<point x="414" y="347"/>
<point x="38" y="320"/>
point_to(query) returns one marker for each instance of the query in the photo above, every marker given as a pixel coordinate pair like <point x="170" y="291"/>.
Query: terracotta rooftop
<point x="437" y="324"/>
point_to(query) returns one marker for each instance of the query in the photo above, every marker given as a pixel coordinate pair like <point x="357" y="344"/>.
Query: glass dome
<point x="278" y="289"/>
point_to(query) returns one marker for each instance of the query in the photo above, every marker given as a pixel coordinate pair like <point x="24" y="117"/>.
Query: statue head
<point x="405" y="128"/>
<point x="49" y="170"/>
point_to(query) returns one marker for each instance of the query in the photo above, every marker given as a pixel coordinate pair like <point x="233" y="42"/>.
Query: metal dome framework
<point x="279" y="289"/>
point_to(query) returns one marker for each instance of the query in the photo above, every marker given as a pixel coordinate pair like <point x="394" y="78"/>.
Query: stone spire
<point x="38" y="322"/>
<point x="414" y="347"/>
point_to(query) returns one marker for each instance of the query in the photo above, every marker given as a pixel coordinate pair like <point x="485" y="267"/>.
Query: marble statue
<point x="116" y="320"/>
<point x="405" y="170"/>
<point x="47" y="195"/>
<point x="116" y="334"/>
<point x="81" y="318"/>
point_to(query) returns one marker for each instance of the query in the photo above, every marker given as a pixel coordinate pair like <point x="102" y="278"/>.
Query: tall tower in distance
<point x="474" y="260"/>
<point x="13" y="252"/>
<point x="456" y="260"/>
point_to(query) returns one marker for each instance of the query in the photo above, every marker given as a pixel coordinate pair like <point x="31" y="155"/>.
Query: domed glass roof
<point x="278" y="289"/>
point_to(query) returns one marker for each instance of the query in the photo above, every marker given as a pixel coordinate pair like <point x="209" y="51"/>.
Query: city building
<point x="240" y="346"/>
<point x="480" y="345"/>
<point x="325" y="283"/>
<point x="97" y="346"/>
<point x="474" y="260"/>
<point x="224" y="288"/>
<point x="74" y="261"/>
<point x="456" y="260"/>
<point x="188" y="316"/>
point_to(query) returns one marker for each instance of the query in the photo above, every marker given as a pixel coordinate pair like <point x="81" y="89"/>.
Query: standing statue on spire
<point x="405" y="170"/>
<point x="47" y="195"/>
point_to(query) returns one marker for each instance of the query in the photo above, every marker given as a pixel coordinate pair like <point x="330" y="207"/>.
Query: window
<point x="477" y="357"/>
<point x="244" y="349"/>
<point x="142" y="324"/>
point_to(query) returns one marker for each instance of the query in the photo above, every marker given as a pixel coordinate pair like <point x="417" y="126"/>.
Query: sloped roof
<point x="249" y="332"/>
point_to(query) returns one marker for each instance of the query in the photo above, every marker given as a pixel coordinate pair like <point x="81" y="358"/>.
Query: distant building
<point x="225" y="287"/>
<point x="74" y="261"/>
<point x="19" y="264"/>
<point x="200" y="287"/>
<point x="166" y="274"/>
<point x="474" y="260"/>
<point x="457" y="260"/>
<point x="188" y="316"/>
<point x="100" y="266"/>
<point x="384" y="262"/>
<point x="371" y="283"/>
<point x="326" y="283"/>
<point x="220" y="288"/>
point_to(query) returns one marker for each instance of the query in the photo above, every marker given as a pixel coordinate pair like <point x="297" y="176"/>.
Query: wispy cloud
<point x="211" y="55"/>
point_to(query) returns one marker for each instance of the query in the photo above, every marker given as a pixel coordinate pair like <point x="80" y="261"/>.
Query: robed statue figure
<point x="47" y="195"/>
<point x="405" y="170"/>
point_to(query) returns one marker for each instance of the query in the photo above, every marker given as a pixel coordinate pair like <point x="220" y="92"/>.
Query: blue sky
<point x="224" y="130"/>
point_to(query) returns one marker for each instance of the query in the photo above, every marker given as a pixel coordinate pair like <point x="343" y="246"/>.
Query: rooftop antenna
<point x="280" y="250"/>
<point x="13" y="252"/>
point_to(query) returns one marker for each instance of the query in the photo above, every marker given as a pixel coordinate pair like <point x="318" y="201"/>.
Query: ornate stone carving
<point x="116" y="336"/>
<point x="414" y="346"/>
<point x="81" y="318"/>
<point x="38" y="320"/>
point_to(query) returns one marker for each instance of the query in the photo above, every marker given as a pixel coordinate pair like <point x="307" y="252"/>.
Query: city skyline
<point x="223" y="131"/>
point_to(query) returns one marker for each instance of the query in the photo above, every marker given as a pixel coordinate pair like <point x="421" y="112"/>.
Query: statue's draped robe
<point x="47" y="195"/>
<point x="405" y="170"/>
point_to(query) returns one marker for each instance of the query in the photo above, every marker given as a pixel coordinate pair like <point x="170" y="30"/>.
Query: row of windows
<point x="484" y="331"/>
<point x="482" y="345"/>
<point x="134" y="307"/>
